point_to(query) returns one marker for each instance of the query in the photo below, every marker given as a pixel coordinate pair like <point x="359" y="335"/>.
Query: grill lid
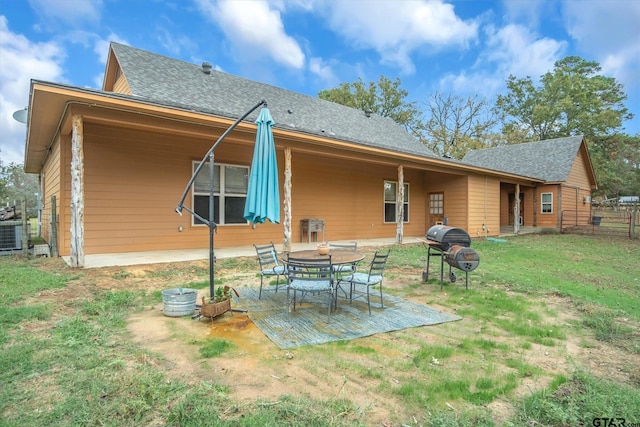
<point x="448" y="236"/>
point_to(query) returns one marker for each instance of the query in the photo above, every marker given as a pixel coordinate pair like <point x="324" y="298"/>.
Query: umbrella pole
<point x="212" y="226"/>
<point x="210" y="222"/>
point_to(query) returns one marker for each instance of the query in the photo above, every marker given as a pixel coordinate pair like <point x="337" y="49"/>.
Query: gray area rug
<point x="309" y="324"/>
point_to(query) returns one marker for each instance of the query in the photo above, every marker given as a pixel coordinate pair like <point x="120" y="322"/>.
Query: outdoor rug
<point x="309" y="324"/>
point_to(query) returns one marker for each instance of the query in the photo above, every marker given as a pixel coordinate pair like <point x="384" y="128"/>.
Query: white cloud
<point x="511" y="50"/>
<point x="515" y="50"/>
<point x="609" y="33"/>
<point x="68" y="11"/>
<point x="255" y="30"/>
<point x="22" y="60"/>
<point x="324" y="71"/>
<point x="398" y="29"/>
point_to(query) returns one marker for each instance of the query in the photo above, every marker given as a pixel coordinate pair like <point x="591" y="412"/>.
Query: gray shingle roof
<point x="550" y="160"/>
<point x="171" y="82"/>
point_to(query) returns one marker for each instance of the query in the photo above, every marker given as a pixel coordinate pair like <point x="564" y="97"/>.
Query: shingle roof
<point x="550" y="160"/>
<point x="171" y="82"/>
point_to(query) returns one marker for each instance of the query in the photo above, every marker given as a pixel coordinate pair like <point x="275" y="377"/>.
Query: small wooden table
<point x="311" y="226"/>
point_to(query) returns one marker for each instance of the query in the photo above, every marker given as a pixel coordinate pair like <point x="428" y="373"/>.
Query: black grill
<point x="444" y="237"/>
<point x="452" y="245"/>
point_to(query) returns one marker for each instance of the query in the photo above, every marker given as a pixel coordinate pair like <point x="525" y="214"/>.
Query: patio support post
<point x="400" y="205"/>
<point x="516" y="211"/>
<point x="287" y="200"/>
<point x="77" y="192"/>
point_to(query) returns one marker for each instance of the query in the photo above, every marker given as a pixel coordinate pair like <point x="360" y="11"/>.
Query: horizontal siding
<point x="578" y="176"/>
<point x="51" y="187"/>
<point x="547" y="220"/>
<point x="484" y="203"/>
<point x="133" y="181"/>
<point x="455" y="191"/>
<point x="121" y="85"/>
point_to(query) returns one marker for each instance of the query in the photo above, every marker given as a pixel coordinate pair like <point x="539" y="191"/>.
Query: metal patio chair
<point x="353" y="247"/>
<point x="373" y="277"/>
<point x="269" y="264"/>
<point x="309" y="276"/>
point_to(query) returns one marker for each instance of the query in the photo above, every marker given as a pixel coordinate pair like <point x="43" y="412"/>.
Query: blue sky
<point x="460" y="48"/>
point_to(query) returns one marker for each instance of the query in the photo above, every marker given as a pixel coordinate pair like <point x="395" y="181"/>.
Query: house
<point x="113" y="163"/>
<point x="564" y="166"/>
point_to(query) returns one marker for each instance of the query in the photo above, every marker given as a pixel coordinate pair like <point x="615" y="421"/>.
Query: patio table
<point x="337" y="256"/>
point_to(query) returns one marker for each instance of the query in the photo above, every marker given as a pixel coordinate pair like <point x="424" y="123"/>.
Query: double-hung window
<point x="391" y="202"/>
<point x="230" y="183"/>
<point x="546" y="202"/>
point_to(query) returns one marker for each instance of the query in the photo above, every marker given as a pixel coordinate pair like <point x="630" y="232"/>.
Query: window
<point x="436" y="203"/>
<point x="390" y="201"/>
<point x="547" y="202"/>
<point x="230" y="185"/>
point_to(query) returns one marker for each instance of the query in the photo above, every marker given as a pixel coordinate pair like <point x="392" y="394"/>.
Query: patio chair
<point x="269" y="264"/>
<point x="312" y="276"/>
<point x="373" y="277"/>
<point x="353" y="247"/>
<point x="343" y="269"/>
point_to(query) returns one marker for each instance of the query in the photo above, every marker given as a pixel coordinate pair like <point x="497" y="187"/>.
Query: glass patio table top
<point x="337" y="256"/>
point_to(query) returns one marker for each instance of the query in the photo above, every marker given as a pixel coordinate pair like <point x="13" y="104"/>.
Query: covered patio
<point x="181" y="255"/>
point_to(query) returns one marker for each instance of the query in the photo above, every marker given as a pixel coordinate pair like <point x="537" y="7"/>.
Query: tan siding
<point x="547" y="220"/>
<point x="530" y="204"/>
<point x="578" y="176"/>
<point x="121" y="85"/>
<point x="576" y="190"/>
<point x="133" y="181"/>
<point x="64" y="210"/>
<point x="51" y="187"/>
<point x="455" y="191"/>
<point x="484" y="206"/>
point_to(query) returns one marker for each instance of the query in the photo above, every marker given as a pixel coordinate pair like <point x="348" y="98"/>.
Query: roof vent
<point x="367" y="113"/>
<point x="206" y="67"/>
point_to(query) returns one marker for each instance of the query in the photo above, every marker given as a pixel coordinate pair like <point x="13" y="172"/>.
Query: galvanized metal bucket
<point x="178" y="302"/>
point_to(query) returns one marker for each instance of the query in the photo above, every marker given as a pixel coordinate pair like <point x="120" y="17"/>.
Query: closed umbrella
<point x="263" y="198"/>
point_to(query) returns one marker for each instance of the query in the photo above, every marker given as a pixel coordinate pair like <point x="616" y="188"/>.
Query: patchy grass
<point x="67" y="358"/>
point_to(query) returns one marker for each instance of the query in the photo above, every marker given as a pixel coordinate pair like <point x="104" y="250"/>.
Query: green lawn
<point x="74" y="363"/>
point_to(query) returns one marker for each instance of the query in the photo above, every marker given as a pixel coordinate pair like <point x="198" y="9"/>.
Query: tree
<point x="457" y="125"/>
<point x="385" y="98"/>
<point x="571" y="99"/>
<point x="616" y="160"/>
<point x="16" y="186"/>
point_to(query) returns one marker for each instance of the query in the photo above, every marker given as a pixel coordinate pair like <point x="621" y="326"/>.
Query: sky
<point x="464" y="48"/>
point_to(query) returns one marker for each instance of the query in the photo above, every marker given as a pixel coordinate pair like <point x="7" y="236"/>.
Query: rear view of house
<point x="113" y="163"/>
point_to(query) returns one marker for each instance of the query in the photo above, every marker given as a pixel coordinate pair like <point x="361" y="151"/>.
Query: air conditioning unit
<point x="11" y="235"/>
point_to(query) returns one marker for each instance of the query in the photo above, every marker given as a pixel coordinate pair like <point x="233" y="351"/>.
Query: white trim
<point x="220" y="194"/>
<point x="384" y="202"/>
<point x="543" y="203"/>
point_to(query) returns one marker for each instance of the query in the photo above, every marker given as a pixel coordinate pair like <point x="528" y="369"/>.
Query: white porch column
<point x="77" y="192"/>
<point x="287" y="201"/>
<point x="400" y="205"/>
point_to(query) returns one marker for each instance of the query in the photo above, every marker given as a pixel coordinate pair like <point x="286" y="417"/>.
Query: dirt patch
<point x="257" y="369"/>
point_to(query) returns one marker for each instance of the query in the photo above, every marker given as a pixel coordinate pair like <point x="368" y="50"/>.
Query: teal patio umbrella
<point x="263" y="198"/>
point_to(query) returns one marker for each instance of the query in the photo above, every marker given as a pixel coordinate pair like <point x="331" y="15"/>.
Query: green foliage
<point x="83" y="368"/>
<point x="616" y="160"/>
<point x="214" y="348"/>
<point x="16" y="186"/>
<point x="457" y="125"/>
<point x="18" y="280"/>
<point x="578" y="402"/>
<point x="384" y="98"/>
<point x="572" y="99"/>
